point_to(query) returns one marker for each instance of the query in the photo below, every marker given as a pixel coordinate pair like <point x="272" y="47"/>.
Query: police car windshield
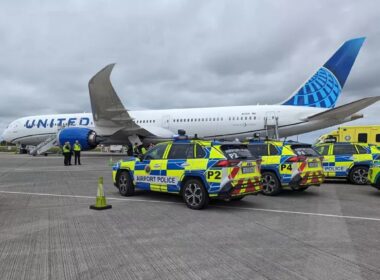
<point x="304" y="150"/>
<point x="234" y="151"/>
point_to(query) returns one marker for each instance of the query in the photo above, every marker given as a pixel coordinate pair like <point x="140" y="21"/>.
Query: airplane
<point x="310" y="107"/>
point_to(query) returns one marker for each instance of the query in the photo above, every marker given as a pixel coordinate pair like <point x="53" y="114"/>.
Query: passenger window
<point x="273" y="150"/>
<point x="344" y="149"/>
<point x="361" y="149"/>
<point x="156" y="152"/>
<point x="377" y="137"/>
<point x="258" y="150"/>
<point x="362" y="137"/>
<point x="323" y="150"/>
<point x="181" y="151"/>
<point x="200" y="153"/>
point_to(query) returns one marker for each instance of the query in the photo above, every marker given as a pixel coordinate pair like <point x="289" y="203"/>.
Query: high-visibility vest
<point x="136" y="149"/>
<point x="66" y="149"/>
<point x="77" y="147"/>
<point x="143" y="150"/>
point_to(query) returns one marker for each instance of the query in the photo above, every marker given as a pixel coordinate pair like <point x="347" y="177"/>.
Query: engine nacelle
<point x="85" y="136"/>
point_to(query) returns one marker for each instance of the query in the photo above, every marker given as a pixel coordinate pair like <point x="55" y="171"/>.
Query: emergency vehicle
<point x="347" y="160"/>
<point x="198" y="170"/>
<point x="374" y="173"/>
<point x="287" y="165"/>
<point x="367" y="134"/>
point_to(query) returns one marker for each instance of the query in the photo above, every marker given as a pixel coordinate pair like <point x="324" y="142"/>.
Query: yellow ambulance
<point x="366" y="134"/>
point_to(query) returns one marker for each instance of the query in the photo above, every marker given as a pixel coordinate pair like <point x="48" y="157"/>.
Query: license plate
<point x="312" y="164"/>
<point x="246" y="170"/>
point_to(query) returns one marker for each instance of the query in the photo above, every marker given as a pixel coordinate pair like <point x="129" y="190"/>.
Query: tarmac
<point x="47" y="230"/>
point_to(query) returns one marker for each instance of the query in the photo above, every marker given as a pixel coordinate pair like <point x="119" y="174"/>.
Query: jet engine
<point x="86" y="137"/>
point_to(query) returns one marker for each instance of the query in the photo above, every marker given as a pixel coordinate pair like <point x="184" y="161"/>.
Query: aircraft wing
<point x="107" y="109"/>
<point x="110" y="115"/>
<point x="346" y="110"/>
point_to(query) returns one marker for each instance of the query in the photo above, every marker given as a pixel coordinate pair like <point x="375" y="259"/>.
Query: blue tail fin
<point x="324" y="87"/>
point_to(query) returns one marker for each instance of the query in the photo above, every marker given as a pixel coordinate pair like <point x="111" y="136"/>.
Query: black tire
<point x="271" y="184"/>
<point x="359" y="175"/>
<point x="194" y="194"/>
<point x="125" y="184"/>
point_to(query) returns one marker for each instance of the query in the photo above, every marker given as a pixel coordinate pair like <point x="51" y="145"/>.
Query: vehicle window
<point x="305" y="150"/>
<point x="156" y="152"/>
<point x="323" y="150"/>
<point x="361" y="149"/>
<point x="181" y="151"/>
<point x="362" y="137"/>
<point x="273" y="150"/>
<point x="200" y="153"/>
<point x="377" y="137"/>
<point x="345" y="149"/>
<point x="258" y="150"/>
<point x="234" y="151"/>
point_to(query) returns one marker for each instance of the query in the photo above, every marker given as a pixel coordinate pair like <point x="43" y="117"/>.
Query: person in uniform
<point x="77" y="148"/>
<point x="143" y="150"/>
<point x="136" y="150"/>
<point x="66" y="150"/>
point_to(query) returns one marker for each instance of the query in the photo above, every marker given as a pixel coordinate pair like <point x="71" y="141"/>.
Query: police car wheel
<point x="359" y="175"/>
<point x="125" y="184"/>
<point x="194" y="194"/>
<point x="271" y="185"/>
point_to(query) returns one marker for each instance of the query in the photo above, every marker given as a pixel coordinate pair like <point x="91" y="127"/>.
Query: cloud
<point x="177" y="54"/>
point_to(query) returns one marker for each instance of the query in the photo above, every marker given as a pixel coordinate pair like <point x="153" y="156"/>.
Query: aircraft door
<point x="271" y="124"/>
<point x="166" y="121"/>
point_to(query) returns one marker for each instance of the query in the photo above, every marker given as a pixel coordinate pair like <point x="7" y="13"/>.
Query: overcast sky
<point x="178" y="54"/>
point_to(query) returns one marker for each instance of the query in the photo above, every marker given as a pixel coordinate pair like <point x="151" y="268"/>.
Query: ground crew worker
<point x="71" y="153"/>
<point x="66" y="150"/>
<point x="136" y="150"/>
<point x="143" y="150"/>
<point x="77" y="148"/>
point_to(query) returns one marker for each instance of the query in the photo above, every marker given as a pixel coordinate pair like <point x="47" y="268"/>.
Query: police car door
<point x="344" y="158"/>
<point x="175" y="165"/>
<point x="148" y="171"/>
<point x="328" y="159"/>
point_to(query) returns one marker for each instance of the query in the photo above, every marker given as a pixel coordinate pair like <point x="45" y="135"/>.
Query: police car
<point x="374" y="173"/>
<point x="347" y="160"/>
<point x="198" y="170"/>
<point x="287" y="165"/>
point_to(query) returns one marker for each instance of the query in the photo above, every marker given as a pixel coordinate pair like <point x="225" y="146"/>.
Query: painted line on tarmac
<point x="228" y="207"/>
<point x="26" y="170"/>
<point x="92" y="197"/>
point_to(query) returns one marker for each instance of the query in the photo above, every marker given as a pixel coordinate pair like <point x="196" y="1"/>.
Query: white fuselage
<point x="214" y="122"/>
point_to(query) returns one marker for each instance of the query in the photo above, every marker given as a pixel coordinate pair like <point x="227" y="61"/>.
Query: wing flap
<point x="346" y="110"/>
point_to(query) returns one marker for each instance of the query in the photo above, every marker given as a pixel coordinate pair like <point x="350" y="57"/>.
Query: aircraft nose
<point x="5" y="135"/>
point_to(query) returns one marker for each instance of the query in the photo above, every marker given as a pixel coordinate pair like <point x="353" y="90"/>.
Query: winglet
<point x="106" y="105"/>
